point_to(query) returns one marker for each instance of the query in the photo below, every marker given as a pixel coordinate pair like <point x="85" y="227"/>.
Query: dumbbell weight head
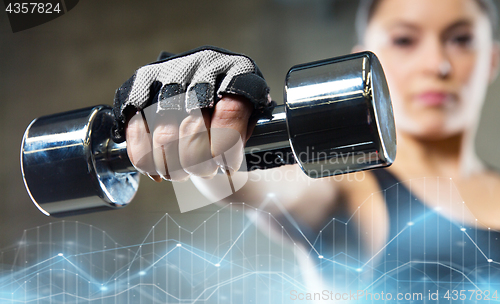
<point x="337" y="118"/>
<point x="71" y="166"/>
<point x="339" y="115"/>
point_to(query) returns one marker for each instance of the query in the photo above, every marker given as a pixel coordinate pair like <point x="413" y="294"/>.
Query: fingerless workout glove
<point x="192" y="80"/>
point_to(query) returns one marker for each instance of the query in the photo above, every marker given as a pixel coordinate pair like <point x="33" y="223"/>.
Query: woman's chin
<point x="434" y="131"/>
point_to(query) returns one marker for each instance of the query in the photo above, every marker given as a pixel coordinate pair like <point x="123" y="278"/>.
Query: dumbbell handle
<point x="336" y="118"/>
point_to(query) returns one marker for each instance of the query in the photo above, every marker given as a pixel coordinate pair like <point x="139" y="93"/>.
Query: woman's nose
<point x="435" y="61"/>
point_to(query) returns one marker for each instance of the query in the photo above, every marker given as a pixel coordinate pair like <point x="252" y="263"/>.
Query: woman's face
<point x="438" y="58"/>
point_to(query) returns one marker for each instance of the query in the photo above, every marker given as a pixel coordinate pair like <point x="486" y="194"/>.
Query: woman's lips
<point x="433" y="98"/>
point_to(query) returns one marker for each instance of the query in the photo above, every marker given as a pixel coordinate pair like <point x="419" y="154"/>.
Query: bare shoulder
<point x="481" y="185"/>
<point x="481" y="193"/>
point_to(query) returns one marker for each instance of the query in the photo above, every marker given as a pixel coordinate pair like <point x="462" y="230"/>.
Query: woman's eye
<point x="462" y="40"/>
<point x="403" y="41"/>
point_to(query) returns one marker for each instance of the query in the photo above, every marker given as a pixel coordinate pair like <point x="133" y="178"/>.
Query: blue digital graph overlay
<point x="245" y="254"/>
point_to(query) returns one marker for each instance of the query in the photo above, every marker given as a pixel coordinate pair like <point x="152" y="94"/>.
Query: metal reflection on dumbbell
<point x="336" y="118"/>
<point x="70" y="164"/>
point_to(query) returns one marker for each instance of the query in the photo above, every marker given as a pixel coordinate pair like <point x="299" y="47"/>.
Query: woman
<point x="439" y="57"/>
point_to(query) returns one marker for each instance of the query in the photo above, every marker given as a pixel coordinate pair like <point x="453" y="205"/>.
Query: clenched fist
<point x="190" y="114"/>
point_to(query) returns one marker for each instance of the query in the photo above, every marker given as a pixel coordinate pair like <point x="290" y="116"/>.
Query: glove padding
<point x="192" y="80"/>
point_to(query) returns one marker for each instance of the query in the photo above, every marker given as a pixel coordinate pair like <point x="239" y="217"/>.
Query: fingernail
<point x="225" y="169"/>
<point x="155" y="178"/>
<point x="167" y="177"/>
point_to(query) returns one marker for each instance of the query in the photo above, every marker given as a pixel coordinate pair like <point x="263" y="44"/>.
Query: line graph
<point x="240" y="253"/>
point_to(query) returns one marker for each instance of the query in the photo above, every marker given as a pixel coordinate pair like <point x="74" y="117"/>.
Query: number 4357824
<point x="473" y="294"/>
<point x="33" y="8"/>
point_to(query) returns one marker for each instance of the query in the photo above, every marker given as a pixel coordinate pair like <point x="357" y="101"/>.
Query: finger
<point x="229" y="128"/>
<point x="166" y="146"/>
<point x="139" y="145"/>
<point x="144" y="81"/>
<point x="194" y="146"/>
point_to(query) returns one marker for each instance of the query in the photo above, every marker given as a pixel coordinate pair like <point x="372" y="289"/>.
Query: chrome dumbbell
<point x="336" y="118"/>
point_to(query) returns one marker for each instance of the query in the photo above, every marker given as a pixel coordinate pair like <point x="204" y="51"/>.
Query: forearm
<point x="285" y="188"/>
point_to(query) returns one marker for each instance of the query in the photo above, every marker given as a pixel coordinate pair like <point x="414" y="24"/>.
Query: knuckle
<point x="134" y="133"/>
<point x="233" y="109"/>
<point x="165" y="135"/>
<point x="135" y="130"/>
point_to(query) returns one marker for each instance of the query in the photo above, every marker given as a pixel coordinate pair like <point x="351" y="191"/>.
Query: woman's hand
<point x="190" y="114"/>
<point x="174" y="146"/>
